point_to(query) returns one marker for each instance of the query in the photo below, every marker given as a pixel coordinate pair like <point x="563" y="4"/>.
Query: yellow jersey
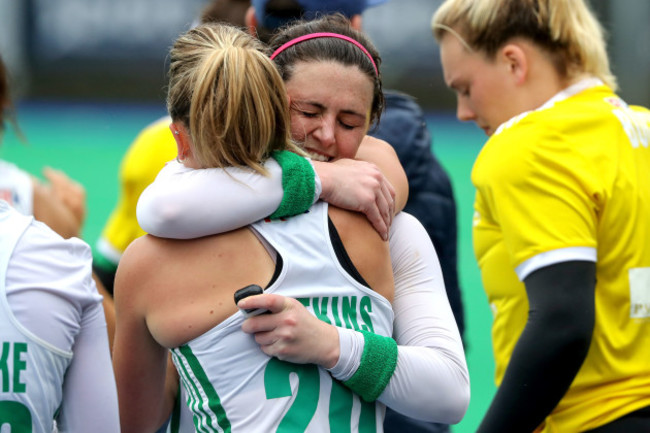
<point x="571" y="181"/>
<point x="151" y="149"/>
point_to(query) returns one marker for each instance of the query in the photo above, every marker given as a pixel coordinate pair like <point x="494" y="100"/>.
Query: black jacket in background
<point x="431" y="198"/>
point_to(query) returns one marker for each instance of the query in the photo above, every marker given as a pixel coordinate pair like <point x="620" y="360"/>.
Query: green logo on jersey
<point x="343" y="311"/>
<point x="8" y="375"/>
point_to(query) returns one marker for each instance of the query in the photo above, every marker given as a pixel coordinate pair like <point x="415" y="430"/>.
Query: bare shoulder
<point x="138" y="266"/>
<point x="383" y="155"/>
<point x="153" y="265"/>
<point x="369" y="139"/>
<point x="353" y="225"/>
<point x="370" y="143"/>
<point x="150" y="260"/>
<point x="139" y="254"/>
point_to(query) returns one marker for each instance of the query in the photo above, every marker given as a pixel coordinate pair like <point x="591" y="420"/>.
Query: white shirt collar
<point x="563" y="94"/>
<point x="573" y="89"/>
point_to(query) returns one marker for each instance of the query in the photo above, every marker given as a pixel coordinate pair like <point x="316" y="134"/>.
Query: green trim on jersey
<point x="203" y="400"/>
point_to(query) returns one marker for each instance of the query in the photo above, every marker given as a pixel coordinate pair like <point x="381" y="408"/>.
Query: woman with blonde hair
<point x="562" y="213"/>
<point x="326" y="276"/>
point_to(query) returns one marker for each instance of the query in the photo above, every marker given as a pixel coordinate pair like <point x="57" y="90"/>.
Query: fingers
<point x="359" y="186"/>
<point x="387" y="203"/>
<point x="382" y="211"/>
<point x="70" y="192"/>
<point x="291" y="334"/>
<point x="272" y="331"/>
<point x="59" y="180"/>
<point x="267" y="301"/>
<point x="389" y="192"/>
<point x="378" y="219"/>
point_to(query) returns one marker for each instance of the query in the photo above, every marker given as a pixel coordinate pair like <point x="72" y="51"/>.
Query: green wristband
<point x="377" y="366"/>
<point x="298" y="184"/>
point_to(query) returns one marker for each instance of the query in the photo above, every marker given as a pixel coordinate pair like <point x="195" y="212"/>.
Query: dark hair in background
<point x="5" y="101"/>
<point x="226" y="11"/>
<point x="6" y="104"/>
<point x="285" y="11"/>
<point x="329" y="49"/>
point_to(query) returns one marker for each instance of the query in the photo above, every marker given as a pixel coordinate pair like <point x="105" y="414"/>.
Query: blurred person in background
<point x="148" y="153"/>
<point x="56" y="364"/>
<point x="562" y="214"/>
<point x="60" y="202"/>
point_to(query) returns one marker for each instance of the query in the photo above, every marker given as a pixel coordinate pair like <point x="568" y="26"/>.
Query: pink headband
<point x="299" y="39"/>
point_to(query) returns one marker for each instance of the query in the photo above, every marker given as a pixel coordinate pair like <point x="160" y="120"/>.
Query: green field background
<point x="87" y="141"/>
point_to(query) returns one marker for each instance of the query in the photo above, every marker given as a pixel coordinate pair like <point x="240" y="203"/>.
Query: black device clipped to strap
<point x="245" y="292"/>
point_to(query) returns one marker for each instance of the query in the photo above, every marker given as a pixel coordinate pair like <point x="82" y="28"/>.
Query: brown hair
<point x="7" y="114"/>
<point x="5" y="99"/>
<point x="330" y="49"/>
<point x="229" y="94"/>
<point x="226" y="11"/>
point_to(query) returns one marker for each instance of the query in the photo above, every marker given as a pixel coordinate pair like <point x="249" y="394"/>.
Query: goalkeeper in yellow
<point x="152" y="148"/>
<point x="562" y="214"/>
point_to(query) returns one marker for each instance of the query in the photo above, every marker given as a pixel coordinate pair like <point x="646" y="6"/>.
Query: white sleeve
<point x="52" y="294"/>
<point x="185" y="203"/>
<point x="431" y="380"/>
<point x="89" y="390"/>
<point x="49" y="284"/>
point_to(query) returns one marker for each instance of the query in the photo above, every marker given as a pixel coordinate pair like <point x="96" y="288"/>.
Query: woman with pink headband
<point x="418" y="367"/>
<point x="331" y="133"/>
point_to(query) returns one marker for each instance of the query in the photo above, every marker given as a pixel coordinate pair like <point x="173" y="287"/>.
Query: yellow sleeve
<point x="148" y="153"/>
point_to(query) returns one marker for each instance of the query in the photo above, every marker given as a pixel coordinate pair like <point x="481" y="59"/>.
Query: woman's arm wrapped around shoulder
<point x="185" y="203"/>
<point x="420" y="372"/>
<point x="429" y="379"/>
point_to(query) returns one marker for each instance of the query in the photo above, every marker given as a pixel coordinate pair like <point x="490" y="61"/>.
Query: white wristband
<point x="351" y="344"/>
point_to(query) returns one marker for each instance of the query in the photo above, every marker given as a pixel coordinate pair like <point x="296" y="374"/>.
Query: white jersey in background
<point x="54" y="357"/>
<point x="16" y="188"/>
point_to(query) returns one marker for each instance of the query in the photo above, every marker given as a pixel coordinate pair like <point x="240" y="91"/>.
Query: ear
<point x="516" y="61"/>
<point x="182" y="140"/>
<point x="355" y="22"/>
<point x="251" y="21"/>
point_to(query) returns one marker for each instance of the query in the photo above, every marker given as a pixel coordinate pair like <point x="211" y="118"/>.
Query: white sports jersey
<point x="31" y="370"/>
<point x="16" y="188"/>
<point x="233" y="386"/>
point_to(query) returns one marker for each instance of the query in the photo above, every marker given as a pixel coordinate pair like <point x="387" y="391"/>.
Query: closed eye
<point x="306" y="109"/>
